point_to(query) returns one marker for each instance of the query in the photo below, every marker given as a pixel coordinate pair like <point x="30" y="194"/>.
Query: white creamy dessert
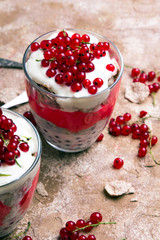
<point x="26" y="159"/>
<point x="38" y="74"/>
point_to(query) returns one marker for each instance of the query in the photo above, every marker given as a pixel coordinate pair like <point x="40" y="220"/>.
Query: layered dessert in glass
<point x="72" y="81"/>
<point x="20" y="152"/>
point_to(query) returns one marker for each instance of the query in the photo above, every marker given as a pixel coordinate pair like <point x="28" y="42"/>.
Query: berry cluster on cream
<point x="11" y="144"/>
<point x="69" y="58"/>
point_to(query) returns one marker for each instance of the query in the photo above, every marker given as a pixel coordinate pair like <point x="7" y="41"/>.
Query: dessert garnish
<point x="11" y="144"/>
<point x="69" y="58"/>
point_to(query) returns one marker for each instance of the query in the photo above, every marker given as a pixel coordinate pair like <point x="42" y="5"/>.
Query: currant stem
<point x="4" y="175"/>
<point x="25" y="231"/>
<point x="151" y="153"/>
<point x="154" y="98"/>
<point x="18" y="163"/>
<point x="93" y="225"/>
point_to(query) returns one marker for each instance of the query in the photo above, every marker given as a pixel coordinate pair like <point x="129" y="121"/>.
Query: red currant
<point x="142" y="114"/>
<point x="92" y="89"/>
<point x="118" y="163"/>
<point x="151" y="76"/>
<point x="142" y="151"/>
<point x="35" y="46"/>
<point x="91" y="237"/>
<point x="96" y="217"/>
<point x="100" y="138"/>
<point x="153" y="140"/>
<point x="127" y="117"/>
<point x="110" y="67"/>
<point x="24" y="147"/>
<point x="135" y="72"/>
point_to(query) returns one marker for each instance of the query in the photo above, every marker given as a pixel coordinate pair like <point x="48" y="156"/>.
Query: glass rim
<point x="66" y="97"/>
<point x="39" y="149"/>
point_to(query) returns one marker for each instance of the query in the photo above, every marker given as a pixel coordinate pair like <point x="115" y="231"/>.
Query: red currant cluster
<point x="72" y="229"/>
<point x="120" y="126"/>
<point x="69" y="59"/>
<point x="142" y="77"/>
<point x="10" y="144"/>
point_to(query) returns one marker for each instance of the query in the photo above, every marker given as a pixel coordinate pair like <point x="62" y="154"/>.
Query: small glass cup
<point x="16" y="196"/>
<point x="72" y="124"/>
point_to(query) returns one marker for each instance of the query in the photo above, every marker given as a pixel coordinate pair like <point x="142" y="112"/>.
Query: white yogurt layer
<point x="38" y="74"/>
<point x="26" y="159"/>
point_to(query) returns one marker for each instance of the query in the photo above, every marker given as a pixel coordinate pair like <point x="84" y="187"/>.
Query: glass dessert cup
<point x="72" y="124"/>
<point x="16" y="195"/>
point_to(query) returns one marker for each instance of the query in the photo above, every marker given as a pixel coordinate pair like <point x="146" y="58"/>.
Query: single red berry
<point x="27" y="238"/>
<point x="106" y="46"/>
<point x="127" y="117"/>
<point x="116" y="130"/>
<point x="151" y="76"/>
<point x="158" y="79"/>
<point x="98" y="82"/>
<point x="51" y="72"/>
<point x="24" y="147"/>
<point x="76" y="35"/>
<point x="143" y="77"/>
<point x="143" y="143"/>
<point x="136" y="134"/>
<point x="136" y="79"/>
<point x="81" y="76"/>
<point x="112" y="123"/>
<point x="76" y="87"/>
<point x="142" y="151"/>
<point x="85" y="38"/>
<point x="156" y="87"/>
<point x="110" y="67"/>
<point x="126" y="130"/>
<point x="88" y="227"/>
<point x="96" y="217"/>
<point x="134" y="127"/>
<point x="90" y="67"/>
<point x="118" y="163"/>
<point x="86" y="83"/>
<point x="59" y="78"/>
<point x="70" y="226"/>
<point x="153" y="139"/>
<point x="135" y="72"/>
<point x="67" y="77"/>
<point x="54" y="64"/>
<point x="100" y="138"/>
<point x="64" y="233"/>
<point x="142" y="114"/>
<point x="73" y="235"/>
<point x="47" y="54"/>
<point x="44" y="63"/>
<point x="92" y="89"/>
<point x="80" y="223"/>
<point x="150" y="86"/>
<point x="120" y="120"/>
<point x="35" y="46"/>
<point x="82" y="237"/>
<point x="91" y="237"/>
<point x="143" y="128"/>
<point x="144" y="135"/>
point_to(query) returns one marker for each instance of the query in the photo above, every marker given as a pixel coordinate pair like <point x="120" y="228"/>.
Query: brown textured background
<point x="75" y="182"/>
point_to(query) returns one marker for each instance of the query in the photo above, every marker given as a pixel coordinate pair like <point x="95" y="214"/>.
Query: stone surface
<point x="75" y="182"/>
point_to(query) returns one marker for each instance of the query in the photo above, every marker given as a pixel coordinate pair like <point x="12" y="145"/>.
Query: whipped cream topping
<point x="26" y="159"/>
<point x="38" y="74"/>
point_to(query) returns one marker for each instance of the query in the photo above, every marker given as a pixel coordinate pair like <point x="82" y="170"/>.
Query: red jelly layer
<point x="73" y="121"/>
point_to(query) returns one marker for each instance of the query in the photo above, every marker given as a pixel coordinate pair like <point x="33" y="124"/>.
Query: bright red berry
<point x="142" y="151"/>
<point x="126" y="130"/>
<point x="110" y="67"/>
<point x="135" y="72"/>
<point x="70" y="226"/>
<point x="88" y="228"/>
<point x="92" y="89"/>
<point x="151" y="76"/>
<point x="120" y="120"/>
<point x="91" y="237"/>
<point x="100" y="138"/>
<point x="24" y="147"/>
<point x="98" y="82"/>
<point x="118" y="163"/>
<point x="127" y="117"/>
<point x="153" y="139"/>
<point x="27" y="238"/>
<point x="35" y="46"/>
<point x="142" y="114"/>
<point x="96" y="217"/>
